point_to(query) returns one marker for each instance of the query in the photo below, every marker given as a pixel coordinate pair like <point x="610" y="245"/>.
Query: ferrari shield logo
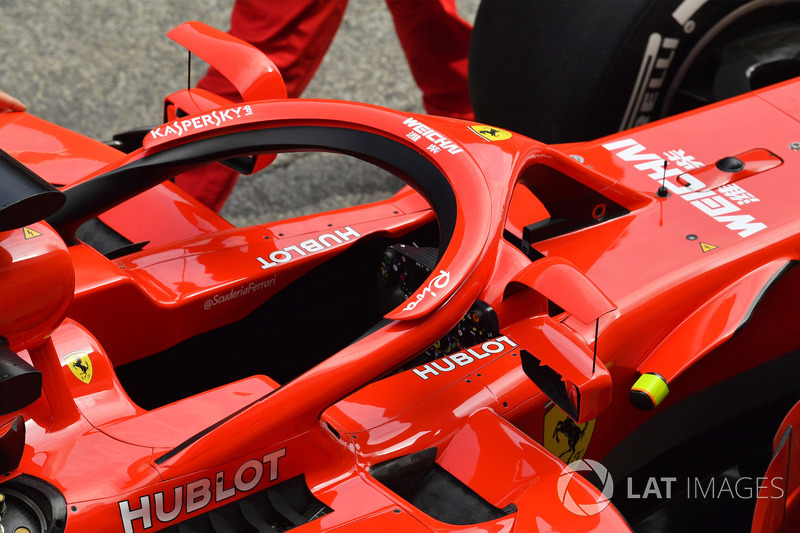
<point x="491" y="134"/>
<point x="80" y="365"/>
<point x="565" y="438"/>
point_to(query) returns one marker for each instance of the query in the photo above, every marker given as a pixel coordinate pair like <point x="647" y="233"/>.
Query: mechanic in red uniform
<point x="296" y="34"/>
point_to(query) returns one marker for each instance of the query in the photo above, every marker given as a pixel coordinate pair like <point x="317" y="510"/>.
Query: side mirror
<point x="554" y="357"/>
<point x="561" y="364"/>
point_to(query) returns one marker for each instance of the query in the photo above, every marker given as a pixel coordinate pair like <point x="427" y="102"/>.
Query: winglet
<point x="560" y="281"/>
<point x="253" y="74"/>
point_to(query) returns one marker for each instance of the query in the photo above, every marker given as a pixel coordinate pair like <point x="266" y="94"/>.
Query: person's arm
<point x="9" y="103"/>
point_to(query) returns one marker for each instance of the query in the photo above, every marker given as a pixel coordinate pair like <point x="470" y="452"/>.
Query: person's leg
<point x="295" y="34"/>
<point x="435" y="40"/>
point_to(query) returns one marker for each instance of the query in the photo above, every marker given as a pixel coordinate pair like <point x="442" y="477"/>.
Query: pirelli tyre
<point x="572" y="70"/>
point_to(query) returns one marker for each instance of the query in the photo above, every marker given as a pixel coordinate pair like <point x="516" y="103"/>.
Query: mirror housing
<point x="561" y="364"/>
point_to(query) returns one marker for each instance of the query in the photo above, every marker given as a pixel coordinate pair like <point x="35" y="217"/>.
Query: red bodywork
<point x="593" y="278"/>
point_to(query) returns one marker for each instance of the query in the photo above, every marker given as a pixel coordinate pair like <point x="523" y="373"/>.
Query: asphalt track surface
<point x="99" y="67"/>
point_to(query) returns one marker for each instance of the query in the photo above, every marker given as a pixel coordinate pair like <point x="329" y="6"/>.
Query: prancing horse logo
<point x="564" y="438"/>
<point x="81" y="366"/>
<point x="573" y="433"/>
<point x="489" y="133"/>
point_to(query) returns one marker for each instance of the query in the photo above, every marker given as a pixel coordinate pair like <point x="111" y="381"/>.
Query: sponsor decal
<point x="468" y="356"/>
<point x="438" y="142"/>
<point x="215" y="119"/>
<point x="441" y="281"/>
<point x="489" y="133"/>
<point x="658" y="55"/>
<point x="685" y="11"/>
<point x="81" y="366"/>
<point x="244" y="290"/>
<point x="737" y="194"/>
<point x="311" y="246"/>
<point x="721" y="204"/>
<point x="196" y="495"/>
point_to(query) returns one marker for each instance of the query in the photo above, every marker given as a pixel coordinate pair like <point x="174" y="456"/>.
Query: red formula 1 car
<point x="430" y="362"/>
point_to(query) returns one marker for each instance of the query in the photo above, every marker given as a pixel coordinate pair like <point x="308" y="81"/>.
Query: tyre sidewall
<point x="564" y="71"/>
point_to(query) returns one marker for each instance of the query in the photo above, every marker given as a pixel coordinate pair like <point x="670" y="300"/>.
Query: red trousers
<point x="296" y="34"/>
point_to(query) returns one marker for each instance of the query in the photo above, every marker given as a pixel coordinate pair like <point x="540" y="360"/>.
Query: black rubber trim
<point x="197" y="436"/>
<point x="93" y="197"/>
